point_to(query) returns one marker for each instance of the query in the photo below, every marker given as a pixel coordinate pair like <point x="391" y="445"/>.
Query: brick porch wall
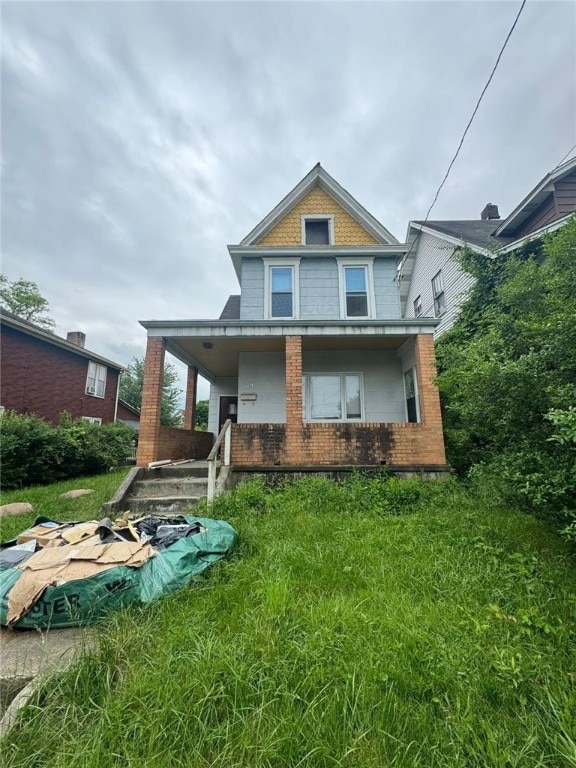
<point x="174" y="443"/>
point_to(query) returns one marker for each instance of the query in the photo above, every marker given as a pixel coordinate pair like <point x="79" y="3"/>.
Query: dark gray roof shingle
<point x="474" y="231"/>
<point x="231" y="309"/>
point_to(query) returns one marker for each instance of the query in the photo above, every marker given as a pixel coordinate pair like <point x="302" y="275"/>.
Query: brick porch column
<point x="190" y="407"/>
<point x="293" y="452"/>
<point x="429" y="397"/>
<point x="149" y="439"/>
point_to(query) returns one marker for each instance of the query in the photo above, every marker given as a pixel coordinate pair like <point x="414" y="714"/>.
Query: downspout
<point x="117" y="395"/>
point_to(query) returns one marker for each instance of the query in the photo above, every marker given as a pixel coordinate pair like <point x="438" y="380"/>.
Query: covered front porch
<point x="300" y="394"/>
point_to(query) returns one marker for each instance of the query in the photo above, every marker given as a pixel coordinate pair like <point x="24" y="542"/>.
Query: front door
<point x="228" y="410"/>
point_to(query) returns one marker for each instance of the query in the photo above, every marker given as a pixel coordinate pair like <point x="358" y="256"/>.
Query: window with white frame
<point x="96" y="379"/>
<point x="333" y="397"/>
<point x="438" y="294"/>
<point x="417" y="306"/>
<point x="356" y="289"/>
<point x="411" y="394"/>
<point x="281" y="289"/>
<point x="317" y="229"/>
<point x="92" y="419"/>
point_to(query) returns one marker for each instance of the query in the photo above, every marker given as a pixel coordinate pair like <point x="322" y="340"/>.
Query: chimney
<point x="490" y="212"/>
<point x="76" y="337"/>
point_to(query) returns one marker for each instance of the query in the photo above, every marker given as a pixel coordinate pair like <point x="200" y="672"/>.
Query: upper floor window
<point x="438" y="294"/>
<point x="417" y="306"/>
<point x="96" y="379"/>
<point x="317" y="229"/>
<point x="356" y="289"/>
<point x="281" y="291"/>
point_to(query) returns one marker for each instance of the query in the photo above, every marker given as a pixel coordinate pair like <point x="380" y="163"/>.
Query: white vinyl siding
<point x="96" y="380"/>
<point x="435" y="254"/>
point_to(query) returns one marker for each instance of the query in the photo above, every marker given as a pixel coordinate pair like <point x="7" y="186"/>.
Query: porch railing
<point x="226" y="435"/>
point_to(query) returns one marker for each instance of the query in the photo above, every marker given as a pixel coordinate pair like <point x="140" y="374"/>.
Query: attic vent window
<point x="317" y="230"/>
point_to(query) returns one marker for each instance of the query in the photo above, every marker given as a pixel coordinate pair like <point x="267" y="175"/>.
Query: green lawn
<point x="371" y="624"/>
<point x="46" y="501"/>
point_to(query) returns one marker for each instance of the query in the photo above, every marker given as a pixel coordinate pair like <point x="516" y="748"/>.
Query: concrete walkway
<point x="27" y="655"/>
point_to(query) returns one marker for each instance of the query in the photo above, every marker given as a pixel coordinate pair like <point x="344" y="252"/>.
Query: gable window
<point x="438" y="294"/>
<point x="96" y="379"/>
<point x="281" y="292"/>
<point x="333" y="397"/>
<point x="356" y="289"/>
<point x="317" y="229"/>
<point x="411" y="396"/>
<point x="417" y="306"/>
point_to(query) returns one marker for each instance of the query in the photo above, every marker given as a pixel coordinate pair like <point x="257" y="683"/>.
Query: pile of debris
<point x="68" y="574"/>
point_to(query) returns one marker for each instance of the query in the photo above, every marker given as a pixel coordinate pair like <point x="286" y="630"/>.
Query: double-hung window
<point x="417" y="306"/>
<point x="438" y="294"/>
<point x="281" y="279"/>
<point x="356" y="289"/>
<point x="411" y="394"/>
<point x="333" y="397"/>
<point x="96" y="379"/>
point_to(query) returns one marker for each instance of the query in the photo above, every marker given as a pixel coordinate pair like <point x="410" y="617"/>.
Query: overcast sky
<point x="140" y="138"/>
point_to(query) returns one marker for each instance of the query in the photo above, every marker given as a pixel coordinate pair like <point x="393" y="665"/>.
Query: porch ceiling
<point x="218" y="356"/>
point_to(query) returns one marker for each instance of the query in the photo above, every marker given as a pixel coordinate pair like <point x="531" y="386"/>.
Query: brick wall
<point x="126" y="413"/>
<point x="38" y="377"/>
<point x="288" y="231"/>
<point x="331" y="444"/>
<point x="183" y="444"/>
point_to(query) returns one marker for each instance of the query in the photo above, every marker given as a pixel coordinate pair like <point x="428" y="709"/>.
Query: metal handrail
<point x="226" y="435"/>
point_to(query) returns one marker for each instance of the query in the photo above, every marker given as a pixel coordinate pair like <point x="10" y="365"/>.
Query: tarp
<point x="72" y="585"/>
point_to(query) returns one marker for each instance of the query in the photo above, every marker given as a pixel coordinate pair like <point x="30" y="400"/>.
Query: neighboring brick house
<point x="127" y="414"/>
<point x="44" y="374"/>
<point x="431" y="280"/>
<point x="313" y="362"/>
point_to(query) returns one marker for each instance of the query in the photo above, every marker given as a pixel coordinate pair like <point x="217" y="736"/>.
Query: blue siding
<point x="319" y="297"/>
<point x="386" y="293"/>
<point x="252" y="299"/>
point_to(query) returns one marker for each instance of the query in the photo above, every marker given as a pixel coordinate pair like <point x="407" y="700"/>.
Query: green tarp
<point x="86" y="600"/>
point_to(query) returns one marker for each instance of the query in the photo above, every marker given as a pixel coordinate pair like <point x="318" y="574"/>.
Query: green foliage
<point x="35" y="452"/>
<point x="131" y="384"/>
<point x="202" y="415"/>
<point x="24" y="299"/>
<point x="507" y="374"/>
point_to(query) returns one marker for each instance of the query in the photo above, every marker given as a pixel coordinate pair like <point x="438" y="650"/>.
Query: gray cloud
<point x="138" y="139"/>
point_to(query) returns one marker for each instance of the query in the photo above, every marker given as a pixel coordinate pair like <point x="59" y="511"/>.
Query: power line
<point x="508" y="36"/>
<point x="565" y="156"/>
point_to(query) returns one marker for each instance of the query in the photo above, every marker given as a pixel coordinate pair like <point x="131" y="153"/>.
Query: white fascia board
<point x="175" y="329"/>
<point x="546" y="230"/>
<point x="319" y="176"/>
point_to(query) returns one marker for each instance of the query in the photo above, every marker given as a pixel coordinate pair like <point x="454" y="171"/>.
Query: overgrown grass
<point x="371" y="624"/>
<point x="46" y="501"/>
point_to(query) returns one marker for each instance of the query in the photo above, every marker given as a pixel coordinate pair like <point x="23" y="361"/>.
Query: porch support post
<point x="430" y="412"/>
<point x="149" y="440"/>
<point x="294" y="414"/>
<point x="191" y="388"/>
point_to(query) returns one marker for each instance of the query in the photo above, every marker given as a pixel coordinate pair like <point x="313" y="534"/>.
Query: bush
<point x="34" y="452"/>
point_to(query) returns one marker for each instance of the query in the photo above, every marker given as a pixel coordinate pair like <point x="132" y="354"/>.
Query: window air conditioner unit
<point x="90" y="390"/>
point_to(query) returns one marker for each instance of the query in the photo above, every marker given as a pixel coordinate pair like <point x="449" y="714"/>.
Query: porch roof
<point x="213" y="346"/>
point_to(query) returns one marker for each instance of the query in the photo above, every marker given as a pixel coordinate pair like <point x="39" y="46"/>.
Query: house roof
<point x="231" y="309"/>
<point x="321" y="177"/>
<point x="129" y="407"/>
<point x="476" y="232"/>
<point x="25" y="326"/>
<point x="534" y="199"/>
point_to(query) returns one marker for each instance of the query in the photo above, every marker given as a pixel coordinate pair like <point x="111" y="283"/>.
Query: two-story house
<point x="44" y="374"/>
<point x="432" y="283"/>
<point x="313" y="361"/>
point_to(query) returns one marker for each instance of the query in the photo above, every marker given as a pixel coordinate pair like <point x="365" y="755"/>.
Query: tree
<point x="202" y="415"/>
<point x="24" y="299"/>
<point x="131" y="391"/>
<point x="507" y="371"/>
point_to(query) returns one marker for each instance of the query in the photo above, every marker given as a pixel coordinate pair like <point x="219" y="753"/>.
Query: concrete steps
<point x="168" y="489"/>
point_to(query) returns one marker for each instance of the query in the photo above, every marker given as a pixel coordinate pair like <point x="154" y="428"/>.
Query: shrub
<point x="34" y="452"/>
